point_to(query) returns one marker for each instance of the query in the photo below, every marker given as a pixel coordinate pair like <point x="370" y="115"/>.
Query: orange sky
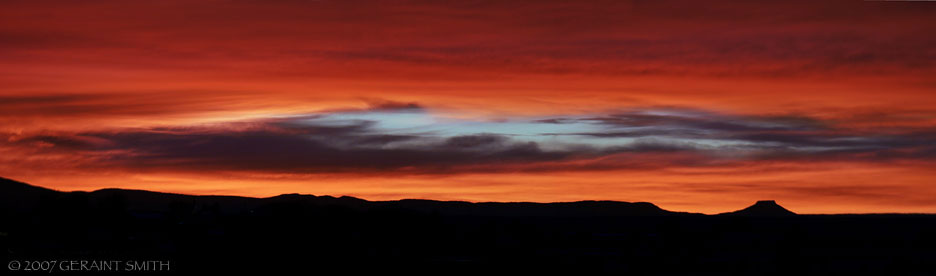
<point x="700" y="106"/>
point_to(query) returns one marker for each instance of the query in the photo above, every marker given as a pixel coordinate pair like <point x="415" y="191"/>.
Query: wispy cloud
<point x="406" y="138"/>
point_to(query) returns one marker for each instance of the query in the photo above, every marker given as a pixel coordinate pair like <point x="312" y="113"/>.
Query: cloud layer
<point x="405" y="138"/>
<point x="687" y="102"/>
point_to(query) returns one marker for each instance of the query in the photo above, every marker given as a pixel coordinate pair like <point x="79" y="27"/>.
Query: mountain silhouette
<point x="18" y="196"/>
<point x="763" y="208"/>
<point x="21" y="195"/>
<point x="301" y="233"/>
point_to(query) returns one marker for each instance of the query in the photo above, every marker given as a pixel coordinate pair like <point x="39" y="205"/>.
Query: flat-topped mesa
<point x="763" y="208"/>
<point x="767" y="203"/>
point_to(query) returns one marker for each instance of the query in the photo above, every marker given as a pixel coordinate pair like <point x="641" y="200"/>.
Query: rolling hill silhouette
<point x="322" y="234"/>
<point x="24" y="195"/>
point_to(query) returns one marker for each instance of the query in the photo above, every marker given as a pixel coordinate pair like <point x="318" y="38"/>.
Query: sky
<point x="700" y="106"/>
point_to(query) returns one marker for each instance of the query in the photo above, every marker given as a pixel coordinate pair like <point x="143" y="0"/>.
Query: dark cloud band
<point x="341" y="142"/>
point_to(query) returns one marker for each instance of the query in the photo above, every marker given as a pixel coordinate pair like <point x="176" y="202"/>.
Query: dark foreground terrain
<point x="327" y="236"/>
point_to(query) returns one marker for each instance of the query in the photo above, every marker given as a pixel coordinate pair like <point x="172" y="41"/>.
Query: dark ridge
<point x="22" y="195"/>
<point x="530" y="209"/>
<point x="16" y="196"/>
<point x="10" y="185"/>
<point x="763" y="208"/>
<point x="293" y="233"/>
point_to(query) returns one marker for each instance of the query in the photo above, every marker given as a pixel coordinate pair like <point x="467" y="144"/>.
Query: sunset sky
<point x="701" y="106"/>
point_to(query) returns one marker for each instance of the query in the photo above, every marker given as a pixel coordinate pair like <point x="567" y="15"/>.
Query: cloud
<point x="383" y="39"/>
<point x="107" y="62"/>
<point x="308" y="151"/>
<point x="297" y="87"/>
<point x="393" y="105"/>
<point x="404" y="138"/>
<point x="113" y="104"/>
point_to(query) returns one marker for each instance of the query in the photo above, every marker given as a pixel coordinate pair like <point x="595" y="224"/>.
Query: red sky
<point x="700" y="106"/>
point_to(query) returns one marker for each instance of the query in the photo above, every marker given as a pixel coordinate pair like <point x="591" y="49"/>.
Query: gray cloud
<point x="320" y="143"/>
